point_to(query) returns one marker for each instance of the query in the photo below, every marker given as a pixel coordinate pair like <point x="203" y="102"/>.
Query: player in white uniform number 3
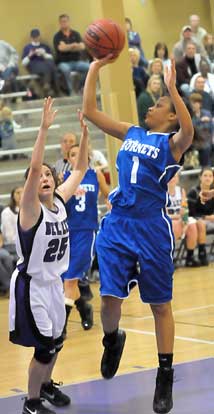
<point x="37" y="310"/>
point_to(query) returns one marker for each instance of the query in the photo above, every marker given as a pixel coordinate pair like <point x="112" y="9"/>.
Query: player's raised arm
<point x="90" y="110"/>
<point x="30" y="205"/>
<point x="68" y="188"/>
<point x="183" y="138"/>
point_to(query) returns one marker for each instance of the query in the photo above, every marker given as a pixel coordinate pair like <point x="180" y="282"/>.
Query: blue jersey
<point x="145" y="165"/>
<point x="82" y="209"/>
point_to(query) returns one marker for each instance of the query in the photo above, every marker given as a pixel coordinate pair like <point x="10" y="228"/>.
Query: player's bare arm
<point x="90" y="110"/>
<point x="30" y="206"/>
<point x="183" y="138"/>
<point x="68" y="188"/>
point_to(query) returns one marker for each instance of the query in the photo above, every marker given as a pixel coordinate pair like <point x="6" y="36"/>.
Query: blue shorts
<point x="81" y="253"/>
<point x="122" y="242"/>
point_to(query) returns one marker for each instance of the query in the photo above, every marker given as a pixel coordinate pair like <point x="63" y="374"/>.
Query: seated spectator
<point x="201" y="211"/>
<point x="38" y="60"/>
<point x="182" y="224"/>
<point x="198" y="32"/>
<point x="149" y="97"/>
<point x="8" y="66"/>
<point x="202" y="122"/>
<point x="161" y="52"/>
<point x="180" y="47"/>
<point x="6" y="270"/>
<point x="134" y="41"/>
<point x="209" y="47"/>
<point x="186" y="68"/>
<point x="139" y="75"/>
<point x="68" y="46"/>
<point x="198" y="87"/>
<point x="98" y="161"/>
<point x="205" y="71"/>
<point x="62" y="164"/>
<point x="9" y="218"/>
<point x="7" y="135"/>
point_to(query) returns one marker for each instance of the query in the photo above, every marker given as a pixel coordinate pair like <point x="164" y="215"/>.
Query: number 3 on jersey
<point x="134" y="169"/>
<point x="81" y="203"/>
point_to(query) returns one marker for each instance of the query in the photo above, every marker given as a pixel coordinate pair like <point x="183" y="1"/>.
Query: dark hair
<point x="52" y="170"/>
<point x="12" y="203"/>
<point x="127" y="20"/>
<point x="176" y="126"/>
<point x="64" y="15"/>
<point x="158" y="46"/>
<point x="206" y="169"/>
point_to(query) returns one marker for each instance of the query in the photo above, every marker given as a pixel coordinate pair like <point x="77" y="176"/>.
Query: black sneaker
<point x="35" y="406"/>
<point x="162" y="402"/>
<point x="191" y="262"/>
<point x="50" y="392"/>
<point x="203" y="259"/>
<point x="86" y="315"/>
<point x="112" y="355"/>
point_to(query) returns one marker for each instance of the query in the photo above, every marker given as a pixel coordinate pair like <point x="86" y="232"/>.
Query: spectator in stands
<point x="134" y="41"/>
<point x="62" y="165"/>
<point x="9" y="218"/>
<point x="199" y="87"/>
<point x="201" y="211"/>
<point x="149" y="97"/>
<point x="6" y="270"/>
<point x="180" y="47"/>
<point x="198" y="32"/>
<point x="68" y="46"/>
<point x="7" y="135"/>
<point x="38" y="60"/>
<point x="8" y="66"/>
<point x="209" y="47"/>
<point x="161" y="52"/>
<point x="202" y="122"/>
<point x="205" y="71"/>
<point x="139" y="75"/>
<point x="182" y="224"/>
<point x="186" y="68"/>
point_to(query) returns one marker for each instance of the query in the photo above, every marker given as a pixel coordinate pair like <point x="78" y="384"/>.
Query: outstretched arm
<point x="183" y="138"/>
<point x="30" y="206"/>
<point x="68" y="188"/>
<point x="90" y="110"/>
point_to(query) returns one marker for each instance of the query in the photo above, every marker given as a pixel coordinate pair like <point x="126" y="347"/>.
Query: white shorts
<point x="36" y="311"/>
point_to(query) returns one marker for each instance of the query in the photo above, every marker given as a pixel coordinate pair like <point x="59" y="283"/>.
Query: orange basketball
<point x="104" y="36"/>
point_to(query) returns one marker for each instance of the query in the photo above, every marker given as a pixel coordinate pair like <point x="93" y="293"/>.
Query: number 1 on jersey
<point x="134" y="169"/>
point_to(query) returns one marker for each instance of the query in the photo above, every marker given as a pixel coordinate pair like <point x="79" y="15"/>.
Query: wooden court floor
<point x="193" y="306"/>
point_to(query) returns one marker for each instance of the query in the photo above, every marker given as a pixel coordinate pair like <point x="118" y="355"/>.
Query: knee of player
<point x="161" y="310"/>
<point x="44" y="355"/>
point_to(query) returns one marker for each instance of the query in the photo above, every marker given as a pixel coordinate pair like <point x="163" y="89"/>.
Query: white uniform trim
<point x="170" y="233"/>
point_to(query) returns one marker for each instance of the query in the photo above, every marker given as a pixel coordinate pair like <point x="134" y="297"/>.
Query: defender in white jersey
<point x="137" y="230"/>
<point x="37" y="311"/>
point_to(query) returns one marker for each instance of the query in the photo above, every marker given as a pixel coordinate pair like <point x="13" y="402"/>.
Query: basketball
<point x="104" y="36"/>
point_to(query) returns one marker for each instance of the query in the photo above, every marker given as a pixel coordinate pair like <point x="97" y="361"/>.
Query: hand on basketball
<point x="48" y="114"/>
<point x="170" y="75"/>
<point x="110" y="58"/>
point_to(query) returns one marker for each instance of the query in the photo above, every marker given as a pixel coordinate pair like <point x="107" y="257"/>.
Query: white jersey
<point x="44" y="250"/>
<point x="175" y="201"/>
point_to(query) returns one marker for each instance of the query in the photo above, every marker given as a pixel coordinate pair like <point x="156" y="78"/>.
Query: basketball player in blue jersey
<point x="83" y="224"/>
<point x="37" y="310"/>
<point x="138" y="229"/>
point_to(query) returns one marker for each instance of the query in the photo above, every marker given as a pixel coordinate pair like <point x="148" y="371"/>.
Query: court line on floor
<point x="174" y="312"/>
<point x="183" y="338"/>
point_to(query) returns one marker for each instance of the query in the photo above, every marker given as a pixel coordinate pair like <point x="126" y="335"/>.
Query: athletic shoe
<point x="203" y="259"/>
<point x="85" y="290"/>
<point x="162" y="402"/>
<point x="191" y="262"/>
<point x="112" y="355"/>
<point x="86" y="315"/>
<point x="35" y="406"/>
<point x="50" y="392"/>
